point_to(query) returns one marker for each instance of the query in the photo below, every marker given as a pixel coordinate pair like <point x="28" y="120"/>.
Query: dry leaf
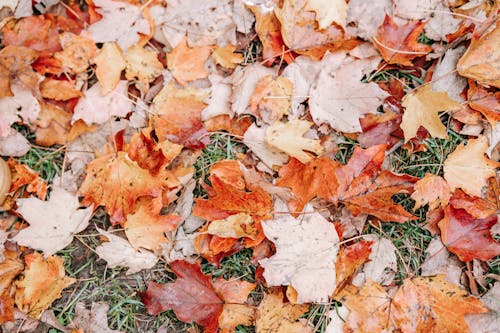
<point x="306" y="252"/>
<point x="254" y="138"/>
<point x="226" y="57"/>
<point x="289" y="138"/>
<point x="77" y="52"/>
<point x="234" y="226"/>
<point x="94" y="320"/>
<point x="142" y="64"/>
<point x="59" y="90"/>
<point x="54" y="229"/>
<point x="109" y="65"/>
<point x="187" y="64"/>
<point x="487" y="322"/>
<point x="467" y="167"/>
<point x="235" y="314"/>
<point x="440" y="261"/>
<point x="432" y="190"/>
<point x="43" y="281"/>
<point x="328" y="12"/>
<point x="271" y="98"/>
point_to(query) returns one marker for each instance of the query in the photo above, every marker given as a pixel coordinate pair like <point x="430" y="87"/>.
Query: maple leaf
<point x="399" y="44"/>
<point x="431" y="304"/>
<point x="109" y="65"/>
<point x="53" y="230"/>
<point x="439" y="260"/>
<point x="276" y="316"/>
<point x="477" y="207"/>
<point x="118" y="252"/>
<point x="328" y="12"/>
<point x="487" y="322"/>
<point x="10" y="267"/>
<point x="348" y="98"/>
<point x="77" y="52"/>
<point x="488" y="103"/>
<point x="146" y="227"/>
<point x="37" y="32"/>
<point x="43" y="281"/>
<point x="142" y="64"/>
<point x="187" y="64"/>
<point x="467" y="167"/>
<point x="432" y="190"/>
<point x="468" y="237"/>
<point x="96" y="108"/>
<point x="235" y="314"/>
<point x="94" y="320"/>
<point x="121" y="22"/>
<point x="22" y="107"/>
<point x="421" y="109"/>
<point x="22" y="175"/>
<point x="271" y="98"/>
<point x="306" y="252"/>
<point x="301" y="32"/>
<point x="254" y="138"/>
<point x="233" y="291"/>
<point x="226" y="57"/>
<point x="191" y="297"/>
<point x="15" y="67"/>
<point x="229" y="172"/>
<point x="5" y="182"/>
<point x="234" y="226"/>
<point x="59" y="90"/>
<point x="178" y="115"/>
<point x="349" y="260"/>
<point x="288" y="137"/>
<point x="116" y="182"/>
<point x="480" y="61"/>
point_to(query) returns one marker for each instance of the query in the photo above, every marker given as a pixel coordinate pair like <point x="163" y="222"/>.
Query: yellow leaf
<point x="142" y="64"/>
<point x="288" y="137"/>
<point x="188" y="64"/>
<point x="110" y="63"/>
<point x="272" y="98"/>
<point x="421" y="109"/>
<point x="328" y="11"/>
<point x="226" y="57"/>
<point x="467" y="167"/>
<point x="234" y="226"/>
<point x="235" y="314"/>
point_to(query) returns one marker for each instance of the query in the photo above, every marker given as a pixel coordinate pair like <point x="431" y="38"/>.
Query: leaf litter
<point x="240" y="166"/>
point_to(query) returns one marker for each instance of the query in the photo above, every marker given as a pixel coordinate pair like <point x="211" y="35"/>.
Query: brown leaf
<point x="142" y="64"/>
<point x="399" y="44"/>
<point x="468" y="237"/>
<point x="77" y="52"/>
<point x="484" y="101"/>
<point x="15" y="66"/>
<point x="235" y="314"/>
<point x="59" y="90"/>
<point x="191" y="296"/>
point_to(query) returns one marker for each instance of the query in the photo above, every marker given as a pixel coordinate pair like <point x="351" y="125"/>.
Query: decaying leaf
<point x="432" y="190"/>
<point x="191" y="296"/>
<point x="271" y="98"/>
<point x="467" y="167"/>
<point x="421" y="109"/>
<point x="94" y="320"/>
<point x="43" y="281"/>
<point x="306" y="252"/>
<point x="54" y="229"/>
<point x="142" y="64"/>
<point x="226" y="57"/>
<point x="234" y="226"/>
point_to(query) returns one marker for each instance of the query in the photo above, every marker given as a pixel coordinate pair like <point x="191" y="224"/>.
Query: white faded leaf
<point x="440" y="261"/>
<point x="382" y="263"/>
<point x="337" y="320"/>
<point x="245" y="80"/>
<point x="254" y="138"/>
<point x="94" y="320"/>
<point x="119" y="252"/>
<point x="96" y="108"/>
<point x="121" y="22"/>
<point x="306" y="252"/>
<point x="53" y="223"/>
<point x="14" y="144"/>
<point x="487" y="322"/>
<point x="414" y="9"/>
<point x="23" y="106"/>
<point x="442" y="23"/>
<point x="445" y="77"/>
<point x="218" y="103"/>
<point x="367" y="16"/>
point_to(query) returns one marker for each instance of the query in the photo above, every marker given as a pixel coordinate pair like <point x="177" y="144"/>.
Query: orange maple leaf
<point x="186" y="63"/>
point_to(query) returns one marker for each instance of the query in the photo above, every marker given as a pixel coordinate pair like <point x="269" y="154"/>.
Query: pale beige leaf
<point x="440" y="261"/>
<point x="109" y="65"/>
<point x="226" y="57"/>
<point x="422" y="108"/>
<point x="328" y="11"/>
<point x="487" y="322"/>
<point x="432" y="190"/>
<point x="289" y="137"/>
<point x="234" y="226"/>
<point x="467" y="167"/>
<point x="94" y="320"/>
<point x="142" y="64"/>
<point x="53" y="223"/>
<point x="254" y="138"/>
<point x="235" y="314"/>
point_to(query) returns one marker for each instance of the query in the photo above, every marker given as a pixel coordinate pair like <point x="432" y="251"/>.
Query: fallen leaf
<point x="477" y="207"/>
<point x="233" y="291"/>
<point x="487" y="322"/>
<point x="421" y="109"/>
<point x="96" y="108"/>
<point x="430" y="304"/>
<point x="146" y="227"/>
<point x="349" y="260"/>
<point x="271" y="98"/>
<point x="443" y="22"/>
<point x="77" y="52"/>
<point x="481" y="60"/>
<point x="414" y="10"/>
<point x="226" y="57"/>
<point x="14" y="145"/>
<point x="191" y="297"/>
<point x="328" y="12"/>
<point x="440" y="261"/>
<point x="234" y="226"/>
<point x="468" y="237"/>
<point x="366" y="17"/>
<point x="399" y="44"/>
<point x="484" y="101"/>
<point x="187" y="64"/>
<point x="15" y="68"/>
<point x="296" y="262"/>
<point x="467" y="167"/>
<point x="59" y="90"/>
<point x="443" y="80"/>
<point x="289" y="138"/>
<point x="94" y="320"/>
<point x="109" y="65"/>
<point x="43" y="281"/>
<point x="229" y="172"/>
<point x="10" y="267"/>
<point x="254" y="138"/>
<point x="22" y="175"/>
<point x="276" y="316"/>
<point x="118" y="252"/>
<point x="53" y="230"/>
<point x="21" y="33"/>
<point x="121" y="22"/>
<point x="142" y="64"/>
<point x="21" y="107"/>
<point x="432" y="190"/>
<point x="235" y="314"/>
<point x="116" y="182"/>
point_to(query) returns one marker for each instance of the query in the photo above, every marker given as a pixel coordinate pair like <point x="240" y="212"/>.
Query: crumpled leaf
<point x="121" y="22"/>
<point x="254" y="138"/>
<point x="118" y="252"/>
<point x="484" y="101"/>
<point x="444" y="81"/>
<point x="116" y="182"/>
<point x="187" y="64"/>
<point x="191" y="296"/>
<point x="468" y="237"/>
<point x="328" y="12"/>
<point x="350" y="260"/>
<point x="22" y="106"/>
<point x="399" y="44"/>
<point x="142" y="64"/>
<point x="481" y="60"/>
<point x="289" y="138"/>
<point x="467" y="167"/>
<point x="94" y="320"/>
<point x="306" y="252"/>
<point x="271" y="98"/>
<point x="43" y="281"/>
<point x="96" y="108"/>
<point x="54" y="229"/>
<point x="432" y="190"/>
<point x="10" y="267"/>
<point x="109" y="65"/>
<point x="348" y="98"/>
<point x="276" y="316"/>
<point x="15" y="68"/>
<point x="77" y="52"/>
<point x="421" y="109"/>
